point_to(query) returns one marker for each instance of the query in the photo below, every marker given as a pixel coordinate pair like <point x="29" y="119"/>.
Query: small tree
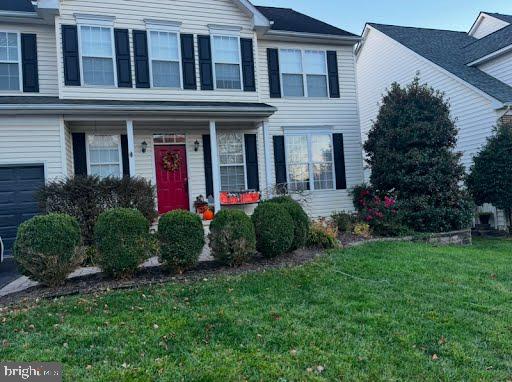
<point x="490" y="179"/>
<point x="411" y="150"/>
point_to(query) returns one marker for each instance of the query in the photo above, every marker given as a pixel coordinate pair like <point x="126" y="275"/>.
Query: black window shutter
<point x="123" y="61"/>
<point x="79" y="155"/>
<point x="251" y="162"/>
<point x="205" y="62"/>
<point x="339" y="162"/>
<point x="70" y="55"/>
<point x="188" y="62"/>
<point x="140" y="53"/>
<point x="29" y="63"/>
<point x="332" y="69"/>
<point x="208" y="173"/>
<point x="274" y="79"/>
<point x="124" y="155"/>
<point x="247" y="53"/>
<point x="279" y="160"/>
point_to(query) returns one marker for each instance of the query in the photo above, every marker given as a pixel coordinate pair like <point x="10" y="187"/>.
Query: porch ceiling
<point x="135" y="109"/>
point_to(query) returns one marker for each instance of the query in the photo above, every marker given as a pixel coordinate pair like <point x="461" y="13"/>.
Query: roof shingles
<point x="16" y="6"/>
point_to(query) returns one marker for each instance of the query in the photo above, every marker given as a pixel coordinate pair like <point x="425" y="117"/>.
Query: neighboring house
<point x="474" y="69"/>
<point x="241" y="97"/>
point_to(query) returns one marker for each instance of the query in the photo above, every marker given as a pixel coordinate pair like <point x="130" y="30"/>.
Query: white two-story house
<point x="235" y="97"/>
<point x="473" y="68"/>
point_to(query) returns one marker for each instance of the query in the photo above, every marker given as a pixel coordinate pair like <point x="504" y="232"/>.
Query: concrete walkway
<point x="23" y="282"/>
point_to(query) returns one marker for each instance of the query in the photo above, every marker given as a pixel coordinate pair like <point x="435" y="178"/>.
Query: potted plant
<point x="484" y="217"/>
<point x="200" y="205"/>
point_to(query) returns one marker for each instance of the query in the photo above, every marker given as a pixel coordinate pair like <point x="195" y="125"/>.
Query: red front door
<point x="171" y="178"/>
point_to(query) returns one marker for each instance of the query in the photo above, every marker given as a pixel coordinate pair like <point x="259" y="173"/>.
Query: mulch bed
<point x="98" y="283"/>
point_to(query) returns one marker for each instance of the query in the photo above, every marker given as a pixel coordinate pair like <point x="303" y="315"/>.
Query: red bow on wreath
<point x="171" y="162"/>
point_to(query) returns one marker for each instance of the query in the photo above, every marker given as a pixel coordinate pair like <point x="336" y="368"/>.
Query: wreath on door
<point x="171" y="162"/>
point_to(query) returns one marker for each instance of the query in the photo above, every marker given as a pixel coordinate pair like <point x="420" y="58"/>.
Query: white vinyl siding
<point x="227" y="62"/>
<point x="500" y="68"/>
<point x="97" y="55"/>
<point x="10" y="61"/>
<point x="164" y="53"/>
<point x="303" y="73"/>
<point x="487" y="26"/>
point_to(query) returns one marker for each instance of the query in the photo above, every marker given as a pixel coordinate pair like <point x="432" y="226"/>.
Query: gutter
<point x="310" y="37"/>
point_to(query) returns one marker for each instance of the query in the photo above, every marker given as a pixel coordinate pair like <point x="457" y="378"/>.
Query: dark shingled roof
<point x="286" y="19"/>
<point x="16" y="5"/>
<point x="489" y="44"/>
<point x="506" y="18"/>
<point x="447" y="49"/>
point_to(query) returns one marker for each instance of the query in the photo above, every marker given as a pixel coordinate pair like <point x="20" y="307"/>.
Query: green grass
<point x="376" y="312"/>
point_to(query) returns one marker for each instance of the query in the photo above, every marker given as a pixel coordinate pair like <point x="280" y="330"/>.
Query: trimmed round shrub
<point x="46" y="248"/>
<point x="232" y="237"/>
<point x="181" y="238"/>
<point x="274" y="229"/>
<point x="300" y="220"/>
<point x="121" y="236"/>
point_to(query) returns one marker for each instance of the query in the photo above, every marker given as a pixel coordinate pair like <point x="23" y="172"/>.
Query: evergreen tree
<point x="410" y="149"/>
<point x="490" y="179"/>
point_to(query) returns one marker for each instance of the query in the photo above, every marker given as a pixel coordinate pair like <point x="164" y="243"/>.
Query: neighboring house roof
<point x="448" y="50"/>
<point x="489" y="44"/>
<point x="286" y="19"/>
<point x="16" y="5"/>
<point x="506" y="18"/>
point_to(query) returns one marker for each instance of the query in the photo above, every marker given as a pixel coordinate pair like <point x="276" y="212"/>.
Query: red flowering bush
<point x="379" y="210"/>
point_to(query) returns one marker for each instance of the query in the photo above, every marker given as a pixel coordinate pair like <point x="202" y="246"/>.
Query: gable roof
<point x="500" y="16"/>
<point x="447" y="50"/>
<point x="489" y="44"/>
<point x="286" y="19"/>
<point x="17" y="6"/>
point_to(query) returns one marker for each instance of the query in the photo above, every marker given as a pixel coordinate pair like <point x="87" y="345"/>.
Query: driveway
<point x="8" y="272"/>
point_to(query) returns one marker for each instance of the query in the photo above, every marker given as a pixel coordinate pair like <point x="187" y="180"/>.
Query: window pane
<point x="314" y="62"/>
<point x="322" y="176"/>
<point x="166" y="74"/>
<point x="297" y="149"/>
<point x="317" y="86"/>
<point x="290" y="61"/>
<point x="321" y="148"/>
<point x="96" y="41"/>
<point x="232" y="178"/>
<point x="226" y="49"/>
<point x="228" y="76"/>
<point x="293" y="85"/>
<point x="104" y="158"/>
<point x="231" y="149"/>
<point x="8" y="46"/>
<point x="164" y="46"/>
<point x="9" y="77"/>
<point x="98" y="71"/>
<point x="298" y="177"/>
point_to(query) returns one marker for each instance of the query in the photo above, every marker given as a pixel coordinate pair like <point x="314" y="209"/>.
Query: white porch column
<point x="215" y="165"/>
<point x="131" y="146"/>
<point x="268" y="160"/>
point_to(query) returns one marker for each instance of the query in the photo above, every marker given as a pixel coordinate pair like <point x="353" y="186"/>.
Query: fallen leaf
<point x="442" y="340"/>
<point x="5" y="344"/>
<point x="88" y="367"/>
<point x="293" y="352"/>
<point x="309" y="369"/>
<point x="320" y="368"/>
<point x="155" y="326"/>
<point x="435" y="357"/>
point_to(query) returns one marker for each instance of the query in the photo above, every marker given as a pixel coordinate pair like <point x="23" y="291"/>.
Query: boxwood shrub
<point x="181" y="237"/>
<point x="46" y="248"/>
<point x="121" y="236"/>
<point x="232" y="238"/>
<point x="299" y="217"/>
<point x="274" y="229"/>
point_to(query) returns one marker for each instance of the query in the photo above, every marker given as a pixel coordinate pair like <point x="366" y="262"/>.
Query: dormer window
<point x="226" y="60"/>
<point x="10" y="67"/>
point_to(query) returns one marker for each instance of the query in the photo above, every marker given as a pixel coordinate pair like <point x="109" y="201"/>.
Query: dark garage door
<point x="18" y="185"/>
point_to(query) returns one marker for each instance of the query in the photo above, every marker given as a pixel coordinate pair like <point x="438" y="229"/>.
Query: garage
<point x="18" y="184"/>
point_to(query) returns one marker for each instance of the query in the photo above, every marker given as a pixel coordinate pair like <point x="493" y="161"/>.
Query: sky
<point x="352" y="15"/>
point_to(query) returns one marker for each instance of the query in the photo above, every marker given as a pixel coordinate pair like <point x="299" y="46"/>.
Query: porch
<point x="184" y="156"/>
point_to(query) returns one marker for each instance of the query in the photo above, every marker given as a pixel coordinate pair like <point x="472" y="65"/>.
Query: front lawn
<point x="392" y="311"/>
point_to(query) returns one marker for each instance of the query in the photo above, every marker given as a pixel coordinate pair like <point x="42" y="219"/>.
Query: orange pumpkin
<point x="208" y="215"/>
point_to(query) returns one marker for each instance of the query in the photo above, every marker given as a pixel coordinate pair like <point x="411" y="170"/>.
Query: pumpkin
<point x="208" y="215"/>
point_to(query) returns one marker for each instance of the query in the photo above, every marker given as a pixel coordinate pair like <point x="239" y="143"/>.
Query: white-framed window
<point x="10" y="61"/>
<point x="232" y="161"/>
<point x="227" y="62"/>
<point x="165" y="57"/>
<point x="309" y="161"/>
<point x="97" y="55"/>
<point x="303" y="73"/>
<point x="104" y="156"/>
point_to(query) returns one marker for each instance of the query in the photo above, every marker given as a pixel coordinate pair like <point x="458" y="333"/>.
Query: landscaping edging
<point x="461" y="237"/>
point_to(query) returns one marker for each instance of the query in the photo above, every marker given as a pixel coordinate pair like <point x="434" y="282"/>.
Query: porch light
<point x="196" y="145"/>
<point x="144" y="146"/>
